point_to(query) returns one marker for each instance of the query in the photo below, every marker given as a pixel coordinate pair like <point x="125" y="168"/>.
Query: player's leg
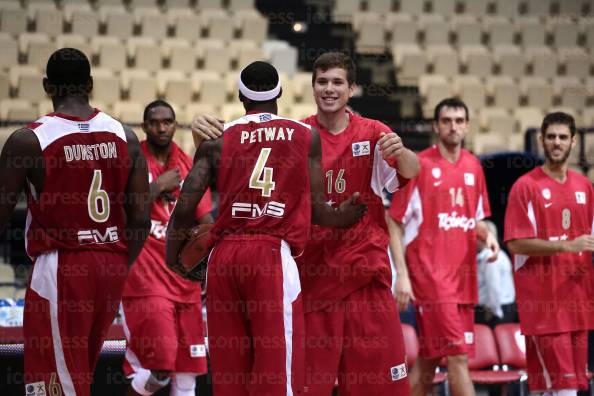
<point x="150" y="328"/>
<point x="191" y="349"/>
<point x="458" y="374"/>
<point x="422" y="374"/>
<point x="324" y="331"/>
<point x="373" y="356"/>
<point x="229" y="343"/>
<point x="273" y="300"/>
<point x="183" y="384"/>
<point x="550" y="363"/>
<point x="579" y="343"/>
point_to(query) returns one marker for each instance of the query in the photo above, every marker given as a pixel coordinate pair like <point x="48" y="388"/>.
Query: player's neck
<point x="555" y="171"/>
<point x="77" y="106"/>
<point x="160" y="154"/>
<point x="335" y="122"/>
<point x="450" y="153"/>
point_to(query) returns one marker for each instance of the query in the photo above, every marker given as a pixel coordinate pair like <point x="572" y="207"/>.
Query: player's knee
<point x="459" y="361"/>
<point x="146" y="383"/>
<point x="183" y="384"/>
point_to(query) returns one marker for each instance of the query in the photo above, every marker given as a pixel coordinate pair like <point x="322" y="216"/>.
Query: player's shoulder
<point x="470" y="158"/>
<point x="529" y="179"/>
<point x="360" y="122"/>
<point x="579" y="178"/>
<point x="264" y="119"/>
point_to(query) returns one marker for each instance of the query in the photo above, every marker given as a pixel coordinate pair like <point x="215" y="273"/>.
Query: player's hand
<point x="169" y="181"/>
<point x="404" y="293"/>
<point x="493" y="245"/>
<point x="583" y="243"/>
<point x="207" y="127"/>
<point x="390" y="145"/>
<point x="351" y="211"/>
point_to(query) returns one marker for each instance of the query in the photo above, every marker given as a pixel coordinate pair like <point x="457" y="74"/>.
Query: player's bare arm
<point x="403" y="292"/>
<point x="483" y="233"/>
<point x="206" y="127"/>
<point x="21" y="160"/>
<point x="195" y="185"/>
<point x="349" y="211"/>
<point x="391" y="146"/>
<point x="541" y="247"/>
<point x="138" y="204"/>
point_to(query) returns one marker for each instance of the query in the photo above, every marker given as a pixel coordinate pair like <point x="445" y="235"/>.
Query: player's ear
<point x="280" y="93"/>
<point x="352" y="88"/>
<point x="89" y="87"/>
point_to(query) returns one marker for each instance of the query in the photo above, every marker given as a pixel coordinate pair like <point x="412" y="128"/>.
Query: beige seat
<point x="576" y="61"/>
<point x="187" y="26"/>
<point x="468" y="30"/>
<point x="232" y="111"/>
<point x="119" y="23"/>
<point x="128" y="112"/>
<point x="9" y="50"/>
<point x="45" y="107"/>
<point x="48" y="21"/>
<point x="210" y="87"/>
<point x="13" y="21"/>
<point x="433" y="89"/>
<point x="572" y="8"/>
<point x="28" y="82"/>
<point x="18" y="110"/>
<point x="410" y="63"/>
<point x="412" y="7"/>
<point x="209" y="4"/>
<point x="476" y="60"/>
<point x="177" y="4"/>
<point x="10" y="5"/>
<point x="75" y="41"/>
<point x="532" y="31"/>
<point x="140" y="84"/>
<point x="444" y="60"/>
<point x="219" y="24"/>
<point x="476" y="7"/>
<point x="528" y="117"/>
<point x="38" y="48"/>
<point x="496" y="142"/>
<point x="173" y="86"/>
<point x="145" y="52"/>
<point x="564" y="31"/>
<point x="302" y="110"/>
<point x="194" y="110"/>
<point x="215" y="56"/>
<point x="111" y="52"/>
<point x="4" y="85"/>
<point x="493" y="119"/>
<point x="471" y="90"/>
<point x="510" y="60"/>
<point x="281" y="55"/>
<point x="181" y="55"/>
<point x="543" y="61"/>
<point x="371" y="35"/>
<point x="240" y="5"/>
<point x="143" y="4"/>
<point x="507" y="8"/>
<point x="251" y="25"/>
<point x="500" y="31"/>
<point x="587" y="26"/>
<point x="303" y="88"/>
<point x="380" y="6"/>
<point x="85" y="23"/>
<point x="153" y="23"/>
<point x="443" y="7"/>
<point x="571" y="92"/>
<point x="402" y="28"/>
<point x="435" y="29"/>
<point x="106" y="87"/>
<point x="539" y="8"/>
<point x="343" y="10"/>
<point x="505" y="92"/>
<point x="538" y="92"/>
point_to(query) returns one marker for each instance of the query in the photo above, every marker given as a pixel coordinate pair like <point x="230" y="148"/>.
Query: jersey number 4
<point x="261" y="177"/>
<point x="98" y="199"/>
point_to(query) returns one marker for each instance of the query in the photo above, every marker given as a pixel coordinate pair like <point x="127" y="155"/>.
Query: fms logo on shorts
<point x="245" y="210"/>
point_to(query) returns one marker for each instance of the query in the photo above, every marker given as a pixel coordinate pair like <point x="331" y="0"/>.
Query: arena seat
<point x="401" y="28"/>
<point x="119" y="23"/>
<point x="499" y="30"/>
<point x="17" y="110"/>
<point x="110" y="51"/>
<point x="75" y="41"/>
<point x="532" y="31"/>
<point x="145" y="52"/>
<point x="140" y="84"/>
<point x="27" y="82"/>
<point x="497" y="120"/>
<point x="4" y="86"/>
<point x="106" y="87"/>
<point x="435" y="29"/>
<point x="48" y="21"/>
<point x="410" y="62"/>
<point x="476" y="60"/>
<point x="84" y="22"/>
<point x="444" y="60"/>
<point x="468" y="30"/>
<point x="186" y="25"/>
<point x="173" y="85"/>
<point x="538" y="92"/>
<point x="9" y="50"/>
<point x="476" y="7"/>
<point x="564" y="31"/>
<point x="504" y="90"/>
<point x="412" y="7"/>
<point x="13" y="20"/>
<point x="542" y="61"/>
<point x="152" y="22"/>
<point x="470" y="89"/>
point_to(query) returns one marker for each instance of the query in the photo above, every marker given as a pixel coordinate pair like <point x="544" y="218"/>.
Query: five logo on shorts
<point x="398" y="372"/>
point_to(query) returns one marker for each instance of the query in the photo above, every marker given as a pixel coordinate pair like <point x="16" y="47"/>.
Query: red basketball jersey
<point x="87" y="166"/>
<point x="150" y="276"/>
<point x="554" y="293"/>
<point x="263" y="179"/>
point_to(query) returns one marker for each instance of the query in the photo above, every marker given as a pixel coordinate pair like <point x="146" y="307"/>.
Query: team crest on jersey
<point x="83" y="127"/>
<point x="469" y="179"/>
<point x="546" y="193"/>
<point x="361" y="148"/>
<point x="265" y="117"/>
<point x="398" y="372"/>
<point x="436" y="172"/>
<point x="35" y="389"/>
<point x="198" y="350"/>
<point x="580" y="197"/>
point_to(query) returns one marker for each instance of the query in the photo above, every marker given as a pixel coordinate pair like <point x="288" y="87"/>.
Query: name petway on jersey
<point x="448" y="221"/>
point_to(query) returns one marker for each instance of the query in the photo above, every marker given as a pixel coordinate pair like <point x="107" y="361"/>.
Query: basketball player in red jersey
<point x="352" y="323"/>
<point x="162" y="312"/>
<point x="438" y="218"/>
<point x="270" y="188"/>
<point x="549" y="227"/>
<point x="88" y="216"/>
